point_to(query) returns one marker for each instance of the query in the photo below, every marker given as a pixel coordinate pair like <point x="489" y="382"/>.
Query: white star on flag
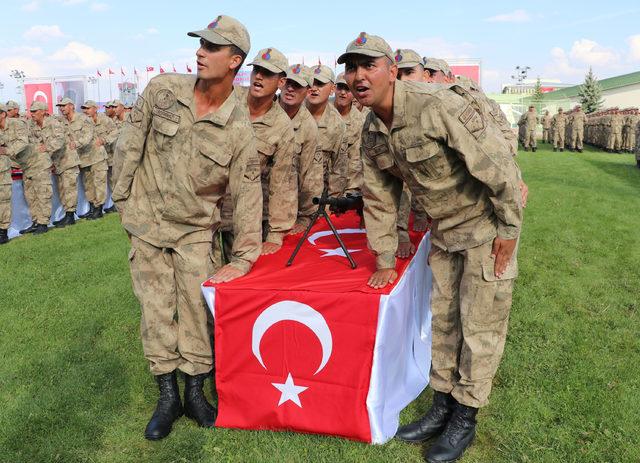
<point x="337" y="252"/>
<point x="289" y="391"/>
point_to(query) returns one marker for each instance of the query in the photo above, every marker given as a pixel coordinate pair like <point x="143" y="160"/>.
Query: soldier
<point x="106" y="133"/>
<point x="437" y="71"/>
<point x="331" y="130"/>
<point x="308" y="160"/>
<point x="410" y="66"/>
<point x="353" y="119"/>
<point x="13" y="109"/>
<point x="632" y="120"/>
<point x="119" y="113"/>
<point x="558" y="131"/>
<point x="187" y="139"/>
<point x="93" y="164"/>
<point x="577" y="129"/>
<point x="459" y="168"/>
<point x="275" y="141"/>
<point x="522" y="128"/>
<point x="531" y="121"/>
<point x="5" y="179"/>
<point x="546" y="127"/>
<point x="615" y="127"/>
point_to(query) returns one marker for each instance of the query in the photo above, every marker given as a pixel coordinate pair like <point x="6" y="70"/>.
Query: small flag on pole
<point x="161" y="70"/>
<point x="174" y="68"/>
<point x="111" y="72"/>
<point x="150" y="68"/>
<point x="98" y="73"/>
<point x="188" y="69"/>
<point x="122" y="71"/>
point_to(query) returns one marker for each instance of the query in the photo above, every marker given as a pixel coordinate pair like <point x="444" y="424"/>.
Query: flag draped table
<point x="311" y="348"/>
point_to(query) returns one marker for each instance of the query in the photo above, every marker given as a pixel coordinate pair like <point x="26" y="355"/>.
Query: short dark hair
<point x="236" y="51"/>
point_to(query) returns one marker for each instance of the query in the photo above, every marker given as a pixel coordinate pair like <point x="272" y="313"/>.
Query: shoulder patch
<point x="166" y="115"/>
<point x="472" y="121"/>
<point x="252" y="170"/>
<point x="164" y="98"/>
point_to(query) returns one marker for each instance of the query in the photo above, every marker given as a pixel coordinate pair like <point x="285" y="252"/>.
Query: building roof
<point x="605" y="84"/>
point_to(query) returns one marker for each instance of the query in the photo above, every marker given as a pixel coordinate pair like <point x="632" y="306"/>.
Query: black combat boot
<point x="97" y="213"/>
<point x="4" y="237"/>
<point x="579" y="150"/>
<point x="111" y="209"/>
<point x="40" y="229"/>
<point x="432" y="423"/>
<point x="526" y="148"/>
<point x="29" y="229"/>
<point x="68" y="219"/>
<point x="89" y="212"/>
<point x="168" y="409"/>
<point x="534" y="149"/>
<point x="555" y="149"/>
<point x="561" y="150"/>
<point x="196" y="406"/>
<point x="457" y="436"/>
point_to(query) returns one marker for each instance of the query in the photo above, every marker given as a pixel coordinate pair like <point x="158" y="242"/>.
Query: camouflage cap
<point x="340" y="79"/>
<point x="89" y="104"/>
<point x="225" y="30"/>
<point x="406" y="58"/>
<point x="432" y="64"/>
<point x="367" y="45"/>
<point x="323" y="74"/>
<point x="271" y="59"/>
<point x="109" y="104"/>
<point x="12" y="105"/>
<point x="65" y="101"/>
<point x="300" y="74"/>
<point x="38" y="106"/>
<point x="115" y="103"/>
<point x="444" y="66"/>
<point x="3" y="108"/>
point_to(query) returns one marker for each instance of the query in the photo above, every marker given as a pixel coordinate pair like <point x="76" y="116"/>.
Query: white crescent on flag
<point x="343" y="231"/>
<point x="42" y="94"/>
<point x="297" y="312"/>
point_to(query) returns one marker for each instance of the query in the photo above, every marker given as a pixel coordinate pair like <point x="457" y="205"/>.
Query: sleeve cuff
<point x="386" y="260"/>
<point x="275" y="237"/>
<point x="508" y="232"/>
<point x="241" y="265"/>
<point x="303" y="220"/>
<point x="403" y="236"/>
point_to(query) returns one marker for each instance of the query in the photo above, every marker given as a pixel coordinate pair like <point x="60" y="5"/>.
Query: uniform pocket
<point x="427" y="159"/>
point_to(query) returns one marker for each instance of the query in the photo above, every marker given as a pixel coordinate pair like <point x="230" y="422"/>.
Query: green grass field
<point x="74" y="386"/>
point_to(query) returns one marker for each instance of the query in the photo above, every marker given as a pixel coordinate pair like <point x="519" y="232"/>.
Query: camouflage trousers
<point x="558" y="138"/>
<point x="629" y="140"/>
<point x="407" y="204"/>
<point x="546" y="136"/>
<point x="5" y="200"/>
<point x="577" y="135"/>
<point x="68" y="188"/>
<point x="38" y="193"/>
<point x="95" y="183"/>
<point x="614" y="142"/>
<point x="470" y="313"/>
<point x="530" y="139"/>
<point x="175" y="323"/>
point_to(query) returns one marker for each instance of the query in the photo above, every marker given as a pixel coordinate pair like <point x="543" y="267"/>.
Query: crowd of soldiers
<point x="66" y="145"/>
<point x="613" y="130"/>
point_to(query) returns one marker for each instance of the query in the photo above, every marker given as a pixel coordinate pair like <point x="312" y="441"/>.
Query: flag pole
<point x="110" y="94"/>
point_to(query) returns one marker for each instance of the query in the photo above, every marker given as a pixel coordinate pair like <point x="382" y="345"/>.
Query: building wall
<point x="622" y="97"/>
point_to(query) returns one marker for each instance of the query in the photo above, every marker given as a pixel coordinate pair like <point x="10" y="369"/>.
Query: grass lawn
<point x="74" y="386"/>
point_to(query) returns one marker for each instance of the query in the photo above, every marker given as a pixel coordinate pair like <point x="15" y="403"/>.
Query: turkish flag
<point x="39" y="92"/>
<point x="161" y="70"/>
<point x="300" y="358"/>
<point x="111" y="72"/>
<point x="150" y="68"/>
<point x="188" y="69"/>
<point x="174" y="68"/>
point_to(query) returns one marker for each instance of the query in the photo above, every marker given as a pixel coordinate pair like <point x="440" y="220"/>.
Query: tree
<point x="590" y="93"/>
<point x="538" y="95"/>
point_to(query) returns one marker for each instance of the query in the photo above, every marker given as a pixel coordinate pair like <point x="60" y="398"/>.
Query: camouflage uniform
<point x="107" y="129"/>
<point x="531" y="120"/>
<point x="172" y="170"/>
<point x="275" y="143"/>
<point x="93" y="159"/>
<point x="351" y="146"/>
<point x="615" y="137"/>
<point x="5" y="185"/>
<point x="558" y="130"/>
<point x="66" y="163"/>
<point x="546" y="128"/>
<point x="460" y="171"/>
<point x="37" y="172"/>
<point x="577" y="129"/>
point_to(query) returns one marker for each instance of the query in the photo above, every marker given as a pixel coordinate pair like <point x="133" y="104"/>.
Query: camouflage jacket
<point x="16" y="138"/>
<point x="82" y="133"/>
<point x="351" y="147"/>
<point x="172" y="170"/>
<point x="108" y="131"/>
<point x="454" y="163"/>
<point x="331" y="131"/>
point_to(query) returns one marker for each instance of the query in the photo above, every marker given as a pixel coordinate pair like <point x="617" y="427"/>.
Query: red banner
<point x="470" y="71"/>
<point x="39" y="92"/>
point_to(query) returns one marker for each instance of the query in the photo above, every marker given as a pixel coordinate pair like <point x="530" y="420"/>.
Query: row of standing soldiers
<point x="65" y="145"/>
<point x="614" y="130"/>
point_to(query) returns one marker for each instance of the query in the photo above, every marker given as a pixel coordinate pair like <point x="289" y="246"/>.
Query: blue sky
<point x="557" y="39"/>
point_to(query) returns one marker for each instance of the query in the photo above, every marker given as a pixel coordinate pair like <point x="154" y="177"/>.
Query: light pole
<point x="1" y="88"/>
<point x="93" y="81"/>
<point x="19" y="76"/>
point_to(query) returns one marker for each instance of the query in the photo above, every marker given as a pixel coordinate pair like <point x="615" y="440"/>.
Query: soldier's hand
<point x="297" y="228"/>
<point x="405" y="250"/>
<point x="420" y="225"/>
<point x="226" y="273"/>
<point x="382" y="278"/>
<point x="269" y="248"/>
<point x="3" y="150"/>
<point x="524" y="191"/>
<point x="502" y="251"/>
<point x="99" y="142"/>
<point x="42" y="148"/>
<point x="72" y="145"/>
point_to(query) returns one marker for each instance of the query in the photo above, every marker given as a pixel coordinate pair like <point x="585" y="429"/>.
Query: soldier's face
<point x="371" y="79"/>
<point x="414" y="74"/>
<point x="437" y="77"/>
<point x="344" y="97"/>
<point x="110" y="112"/>
<point x="264" y="83"/>
<point x="90" y="111"/>
<point x="66" y="109"/>
<point x="319" y="92"/>
<point x="37" y="116"/>
<point x="118" y="110"/>
<point x="15" y="112"/>
<point x="215" y="61"/>
<point x="293" y="94"/>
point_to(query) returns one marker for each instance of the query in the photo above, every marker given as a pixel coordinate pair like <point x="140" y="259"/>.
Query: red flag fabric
<point x="39" y="92"/>
<point x="174" y="68"/>
<point x="150" y="68"/>
<point x="122" y="71"/>
<point x="98" y="73"/>
<point x="135" y="71"/>
<point x="111" y="72"/>
<point x="161" y="70"/>
<point x="188" y="69"/>
<point x="292" y="359"/>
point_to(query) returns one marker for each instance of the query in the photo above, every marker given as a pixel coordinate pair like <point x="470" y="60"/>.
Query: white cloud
<point x="437" y="47"/>
<point x="99" y="7"/>
<point x="634" y="48"/>
<point x="72" y="2"/>
<point x="31" y="6"/>
<point x="43" y="32"/>
<point x="76" y="55"/>
<point x="591" y="53"/>
<point x="152" y="31"/>
<point x="516" y="16"/>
